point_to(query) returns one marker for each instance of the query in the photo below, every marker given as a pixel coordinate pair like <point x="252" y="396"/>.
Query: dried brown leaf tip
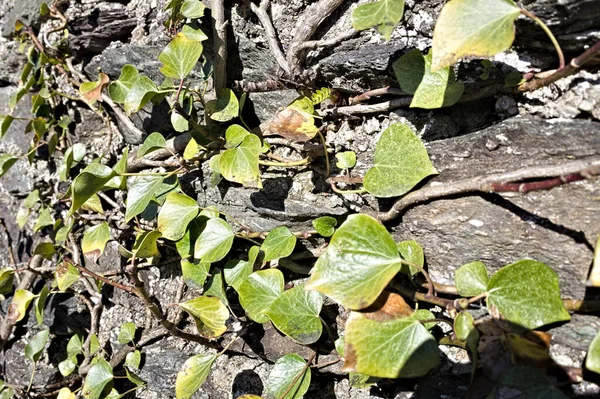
<point x="388" y="306"/>
<point x="292" y="124"/>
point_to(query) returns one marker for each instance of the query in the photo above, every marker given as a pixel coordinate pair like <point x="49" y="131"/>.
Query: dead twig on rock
<point x="220" y="44"/>
<point x="262" y="12"/>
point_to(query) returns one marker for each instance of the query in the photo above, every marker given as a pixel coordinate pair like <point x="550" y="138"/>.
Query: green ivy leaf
<point x="237" y="271"/>
<point x="40" y="304"/>
<point x="296" y="314"/>
<point x="412" y="252"/>
<point x="67" y="366"/>
<point x="214" y="241"/>
<point x="192" y="9"/>
<point x="225" y="107"/>
<point x="94" y="241"/>
<point x="279" y="243"/>
<point x="346" y="159"/>
<point x="97" y="379"/>
<point x="94" y="344"/>
<point x="471" y="279"/>
<point x="527" y="293"/>
<point x="44" y="219"/>
<point x="75" y="345"/>
<point x="7" y="160"/>
<point x="430" y="89"/>
<point x="140" y="191"/>
<point x="486" y="28"/>
<point x="92" y="91"/>
<point x="210" y="315"/>
<point x="7" y="276"/>
<point x="45" y="249"/>
<point x="119" y="89"/>
<point x="463" y="325"/>
<point x="388" y="346"/>
<point x="325" y="225"/>
<point x="383" y="15"/>
<point x="215" y="286"/>
<point x="289" y="369"/>
<point x="592" y="361"/>
<point x="401" y="161"/>
<point x="126" y="333"/>
<point x="192" y="375"/>
<point x="20" y="303"/>
<point x="235" y="135"/>
<point x="192" y="31"/>
<point x="194" y="273"/>
<point x="175" y="215"/>
<point x="258" y="291"/>
<point x="87" y="183"/>
<point x="73" y="155"/>
<point x="66" y="275"/>
<point x="133" y="359"/>
<point x="5" y="122"/>
<point x="180" y="56"/>
<point x="240" y="164"/>
<point x="359" y="262"/>
<point x="93" y="204"/>
<point x="34" y="348"/>
<point x="139" y="94"/>
<point x="185" y="246"/>
<point x="145" y="245"/>
<point x="155" y="141"/>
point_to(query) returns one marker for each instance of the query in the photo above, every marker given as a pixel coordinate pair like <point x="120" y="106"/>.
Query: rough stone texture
<point x="496" y="229"/>
<point x="501" y="229"/>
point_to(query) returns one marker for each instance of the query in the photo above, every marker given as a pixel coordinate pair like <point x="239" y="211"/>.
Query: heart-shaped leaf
<point x="133" y="359"/>
<point x="383" y="15"/>
<point x="192" y="375"/>
<point x="126" y="333"/>
<point x="180" y="56"/>
<point x="145" y="244"/>
<point x="194" y="273"/>
<point x="240" y="164"/>
<point x="527" y="293"/>
<point x="140" y="191"/>
<point x="225" y="107"/>
<point x="237" y="271"/>
<point x="97" y="379"/>
<point x="346" y="159"/>
<point x="155" y="141"/>
<point x="92" y="91"/>
<point x="486" y="28"/>
<point x="94" y="241"/>
<point x="289" y="369"/>
<point x="401" y="161"/>
<point x="34" y="348"/>
<point x="175" y="215"/>
<point x="214" y="241"/>
<point x="389" y="345"/>
<point x="139" y="94"/>
<point x="119" y="89"/>
<point x="258" y="291"/>
<point x="87" y="183"/>
<point x="192" y="9"/>
<point x="325" y="225"/>
<point x="359" y="262"/>
<point x="279" y="243"/>
<point x="412" y="252"/>
<point x="463" y="325"/>
<point x="209" y="314"/>
<point x="296" y="314"/>
<point x="20" y="303"/>
<point x="66" y="275"/>
<point x="6" y="161"/>
<point x="471" y="279"/>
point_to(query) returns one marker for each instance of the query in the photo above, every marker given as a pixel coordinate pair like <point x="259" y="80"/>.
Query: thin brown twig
<point x="377" y="92"/>
<point x="497" y="183"/>
<point x="220" y="44"/>
<point x="262" y="12"/>
<point x="371" y="108"/>
<point x="314" y="44"/>
<point x="9" y="242"/>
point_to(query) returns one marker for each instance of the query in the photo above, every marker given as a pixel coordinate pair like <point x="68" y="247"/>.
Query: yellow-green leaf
<point x="192" y="375"/>
<point x="20" y="303"/>
<point x="479" y="28"/>
<point x="210" y="315"/>
<point x="289" y="369"/>
<point x="175" y="215"/>
<point x="94" y="241"/>
<point x="180" y="57"/>
<point x="258" y="291"/>
<point x="383" y="15"/>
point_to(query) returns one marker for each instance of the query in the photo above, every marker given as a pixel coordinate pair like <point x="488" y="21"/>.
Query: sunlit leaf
<point x="214" y="241"/>
<point x="225" y="107"/>
<point x="346" y="159"/>
<point x="237" y="271"/>
<point x="92" y="91"/>
<point x="471" y="279"/>
<point x="65" y="393"/>
<point x="594" y="279"/>
<point x="486" y="28"/>
<point x="180" y="57"/>
<point x="44" y="219"/>
<point x="126" y="333"/>
<point x="210" y="315"/>
<point x="388" y="345"/>
<point x="412" y="252"/>
<point x="139" y="94"/>
<point x="359" y="262"/>
<point x="140" y="191"/>
<point x="527" y="293"/>
<point x="192" y="9"/>
<point x="87" y="183"/>
<point x="289" y="369"/>
<point x="193" y="32"/>
<point x="94" y="344"/>
<point x="240" y="164"/>
<point x="66" y="275"/>
<point x="97" y="380"/>
<point x="133" y="359"/>
<point x="7" y="160"/>
<point x="145" y="244"/>
<point x="7" y="275"/>
<point x="67" y="366"/>
<point x="258" y="291"/>
<point x="94" y="241"/>
<point x="383" y="15"/>
<point x="175" y="215"/>
<point x="592" y="361"/>
<point x="325" y="225"/>
<point x="155" y="141"/>
<point x="192" y="375"/>
<point x="279" y="243"/>
<point x="5" y="122"/>
<point x="296" y="314"/>
<point x="463" y="325"/>
<point x="34" y="348"/>
<point x="20" y="303"/>
<point x="40" y="304"/>
<point x="93" y="204"/>
<point x="119" y="88"/>
<point x="401" y="162"/>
